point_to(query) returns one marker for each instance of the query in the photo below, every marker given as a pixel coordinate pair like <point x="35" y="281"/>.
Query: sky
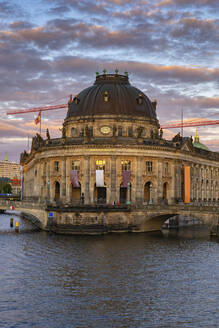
<point x="50" y="49"/>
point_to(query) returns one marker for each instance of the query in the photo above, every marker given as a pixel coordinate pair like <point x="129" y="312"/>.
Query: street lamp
<point x="128" y="194"/>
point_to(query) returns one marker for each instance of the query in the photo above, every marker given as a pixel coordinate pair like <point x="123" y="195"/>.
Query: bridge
<point x="93" y="219"/>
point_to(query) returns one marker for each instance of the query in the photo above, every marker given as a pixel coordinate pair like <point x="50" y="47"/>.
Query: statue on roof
<point x="47" y="134"/>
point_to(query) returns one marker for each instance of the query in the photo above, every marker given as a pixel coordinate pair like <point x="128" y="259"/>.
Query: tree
<point x="7" y="188"/>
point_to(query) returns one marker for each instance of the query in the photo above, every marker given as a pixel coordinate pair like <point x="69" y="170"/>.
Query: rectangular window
<point x="126" y="165"/>
<point x="119" y="131"/>
<point x="130" y="132"/>
<point x="75" y="166"/>
<point x="100" y="164"/>
<point x="166" y="168"/>
<point x="56" y="166"/>
<point x="149" y="167"/>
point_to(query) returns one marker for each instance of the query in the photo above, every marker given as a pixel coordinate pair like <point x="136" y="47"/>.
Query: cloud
<point x="170" y="49"/>
<point x="199" y="30"/>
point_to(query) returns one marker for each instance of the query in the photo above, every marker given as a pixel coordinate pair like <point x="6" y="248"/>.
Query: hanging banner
<point x="126" y="178"/>
<point x="186" y="184"/>
<point x="74" y="178"/>
<point x="99" y="178"/>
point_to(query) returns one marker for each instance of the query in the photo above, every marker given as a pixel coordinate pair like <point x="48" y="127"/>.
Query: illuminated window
<point x="126" y="165"/>
<point x="140" y="99"/>
<point x="56" y="166"/>
<point x="75" y="165"/>
<point x="149" y="167"/>
<point x="100" y="164"/>
<point x="106" y="96"/>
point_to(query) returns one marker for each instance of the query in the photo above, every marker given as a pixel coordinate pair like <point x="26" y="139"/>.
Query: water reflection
<point x="116" y="280"/>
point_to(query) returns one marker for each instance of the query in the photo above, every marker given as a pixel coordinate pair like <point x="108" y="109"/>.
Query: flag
<point x="38" y="118"/>
<point x="74" y="178"/>
<point x="126" y="178"/>
<point x="99" y="178"/>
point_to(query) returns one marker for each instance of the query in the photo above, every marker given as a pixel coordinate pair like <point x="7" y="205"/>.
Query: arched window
<point x="57" y="190"/>
<point x="100" y="164"/>
<point x="106" y="96"/>
<point x="126" y="165"/>
<point x="148" y="192"/>
<point x="165" y="191"/>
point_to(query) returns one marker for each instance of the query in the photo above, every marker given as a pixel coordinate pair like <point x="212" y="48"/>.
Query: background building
<point x="10" y="173"/>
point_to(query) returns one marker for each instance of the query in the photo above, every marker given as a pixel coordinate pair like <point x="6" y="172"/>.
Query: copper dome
<point x="112" y="94"/>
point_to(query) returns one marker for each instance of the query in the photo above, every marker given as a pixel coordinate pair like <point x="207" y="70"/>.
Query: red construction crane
<point x="37" y="109"/>
<point x="188" y="124"/>
<point x="179" y="124"/>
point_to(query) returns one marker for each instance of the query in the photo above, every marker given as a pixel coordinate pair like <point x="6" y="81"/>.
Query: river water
<point x="117" y="280"/>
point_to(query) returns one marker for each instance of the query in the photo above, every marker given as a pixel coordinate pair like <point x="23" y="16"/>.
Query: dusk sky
<point x="50" y="49"/>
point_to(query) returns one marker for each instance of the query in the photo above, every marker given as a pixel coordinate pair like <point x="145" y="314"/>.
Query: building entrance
<point x="100" y="195"/>
<point x="123" y="195"/>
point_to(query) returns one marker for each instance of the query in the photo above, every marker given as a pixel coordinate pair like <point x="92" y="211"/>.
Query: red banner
<point x="74" y="178"/>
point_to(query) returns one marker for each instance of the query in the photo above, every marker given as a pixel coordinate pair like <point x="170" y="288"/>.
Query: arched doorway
<point x="76" y="193"/>
<point x="165" y="191"/>
<point x="147" y="192"/>
<point x="100" y="194"/>
<point x="57" y="190"/>
<point x="123" y="194"/>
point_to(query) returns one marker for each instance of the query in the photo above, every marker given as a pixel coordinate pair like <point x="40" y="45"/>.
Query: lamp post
<point x="128" y="194"/>
<point x="21" y="171"/>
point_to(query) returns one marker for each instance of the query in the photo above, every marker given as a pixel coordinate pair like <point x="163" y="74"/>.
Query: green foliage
<point x="7" y="189"/>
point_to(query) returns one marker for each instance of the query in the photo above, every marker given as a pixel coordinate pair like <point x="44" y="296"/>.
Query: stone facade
<point x="114" y="142"/>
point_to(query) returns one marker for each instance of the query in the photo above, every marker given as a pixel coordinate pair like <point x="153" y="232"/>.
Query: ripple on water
<point x="117" y="280"/>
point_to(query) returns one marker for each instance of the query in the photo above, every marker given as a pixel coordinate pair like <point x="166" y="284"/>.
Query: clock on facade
<point x="105" y="129"/>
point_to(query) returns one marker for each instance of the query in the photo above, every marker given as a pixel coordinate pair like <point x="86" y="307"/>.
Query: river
<point x="116" y="280"/>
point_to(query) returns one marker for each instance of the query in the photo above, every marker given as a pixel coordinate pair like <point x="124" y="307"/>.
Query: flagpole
<point x="40" y="121"/>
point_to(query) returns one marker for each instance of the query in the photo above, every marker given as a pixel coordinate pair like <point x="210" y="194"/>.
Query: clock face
<point x="105" y="129"/>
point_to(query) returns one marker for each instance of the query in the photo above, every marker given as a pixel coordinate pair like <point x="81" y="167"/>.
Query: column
<point x="63" y="181"/>
<point x="159" y="181"/>
<point x="205" y="191"/>
<point x="68" y="163"/>
<point x="178" y="181"/>
<point x="87" y="179"/>
<point x="113" y="182"/>
<point x="48" y="182"/>
<point x="171" y="198"/>
<point x="139" y="187"/>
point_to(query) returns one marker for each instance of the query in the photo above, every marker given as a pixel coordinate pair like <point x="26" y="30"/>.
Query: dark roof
<point x="122" y="99"/>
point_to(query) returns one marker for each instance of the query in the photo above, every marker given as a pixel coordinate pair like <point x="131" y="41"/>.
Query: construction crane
<point x="36" y="109"/>
<point x="170" y="125"/>
<point x="39" y="110"/>
<point x="188" y="124"/>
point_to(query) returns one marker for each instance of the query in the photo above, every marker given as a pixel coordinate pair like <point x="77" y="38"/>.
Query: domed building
<point x="112" y="150"/>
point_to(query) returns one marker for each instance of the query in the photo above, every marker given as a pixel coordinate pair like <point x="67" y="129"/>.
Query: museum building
<point x="112" y="151"/>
